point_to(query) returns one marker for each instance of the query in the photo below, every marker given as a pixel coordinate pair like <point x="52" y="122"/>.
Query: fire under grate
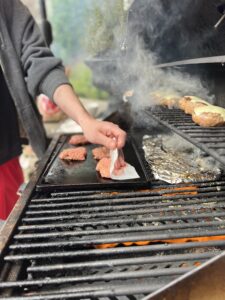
<point x="210" y="140"/>
<point x="112" y="245"/>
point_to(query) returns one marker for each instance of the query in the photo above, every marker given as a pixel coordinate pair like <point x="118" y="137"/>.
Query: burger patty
<point x="100" y="152"/>
<point x="207" y="119"/>
<point x="103" y="167"/>
<point x="78" y="153"/>
<point x="189" y="103"/>
<point x="78" y="139"/>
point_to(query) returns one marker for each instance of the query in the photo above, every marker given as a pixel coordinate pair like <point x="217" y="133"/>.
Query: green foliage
<point x="68" y="19"/>
<point x="95" y="24"/>
<point x="68" y="22"/>
<point x="92" y="24"/>
<point x="81" y="79"/>
<point x="106" y="25"/>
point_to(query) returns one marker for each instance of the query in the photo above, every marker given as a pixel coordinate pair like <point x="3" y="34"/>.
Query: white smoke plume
<point x="136" y="65"/>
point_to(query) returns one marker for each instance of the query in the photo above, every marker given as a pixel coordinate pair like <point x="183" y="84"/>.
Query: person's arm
<point x="44" y="73"/>
<point x="98" y="132"/>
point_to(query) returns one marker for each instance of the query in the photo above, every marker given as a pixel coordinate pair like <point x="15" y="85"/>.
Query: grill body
<point x="108" y="243"/>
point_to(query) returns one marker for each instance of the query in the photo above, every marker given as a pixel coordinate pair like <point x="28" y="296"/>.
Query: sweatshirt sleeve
<point x="43" y="72"/>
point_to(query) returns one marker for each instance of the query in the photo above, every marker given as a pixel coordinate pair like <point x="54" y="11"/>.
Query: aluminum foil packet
<point x="174" y="165"/>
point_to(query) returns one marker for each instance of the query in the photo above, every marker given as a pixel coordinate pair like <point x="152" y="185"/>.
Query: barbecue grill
<point x="111" y="242"/>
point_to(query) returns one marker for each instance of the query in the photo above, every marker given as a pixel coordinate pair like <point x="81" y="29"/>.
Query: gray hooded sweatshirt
<point x="29" y="68"/>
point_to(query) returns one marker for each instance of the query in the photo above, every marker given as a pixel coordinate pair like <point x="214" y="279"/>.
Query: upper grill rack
<point x="56" y="244"/>
<point x="210" y="140"/>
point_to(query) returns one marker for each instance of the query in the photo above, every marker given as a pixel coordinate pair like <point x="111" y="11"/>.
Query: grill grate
<point x="59" y="243"/>
<point x="210" y="140"/>
<point x="111" y="245"/>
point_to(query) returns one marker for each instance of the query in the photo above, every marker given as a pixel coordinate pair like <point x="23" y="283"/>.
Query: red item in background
<point x="11" y="177"/>
<point x="49" y="111"/>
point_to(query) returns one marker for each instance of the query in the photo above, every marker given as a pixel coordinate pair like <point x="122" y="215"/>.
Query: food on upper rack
<point x="48" y="110"/>
<point x="100" y="152"/>
<point x="209" y="116"/>
<point x="174" y="165"/>
<point x="78" y="154"/>
<point x="189" y="103"/>
<point x="169" y="102"/>
<point x="103" y="167"/>
<point x="166" y="99"/>
<point x="129" y="93"/>
<point x="78" y="139"/>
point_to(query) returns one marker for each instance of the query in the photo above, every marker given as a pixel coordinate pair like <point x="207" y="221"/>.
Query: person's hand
<point x="104" y="133"/>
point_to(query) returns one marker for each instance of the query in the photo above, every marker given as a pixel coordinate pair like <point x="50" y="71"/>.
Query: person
<point x="28" y="68"/>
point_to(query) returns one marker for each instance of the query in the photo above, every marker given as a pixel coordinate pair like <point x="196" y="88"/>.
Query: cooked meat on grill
<point x="103" y="167"/>
<point x="78" y="153"/>
<point x="78" y="139"/>
<point x="189" y="103"/>
<point x="169" y="100"/>
<point x="100" y="152"/>
<point x="128" y="93"/>
<point x="209" y="116"/>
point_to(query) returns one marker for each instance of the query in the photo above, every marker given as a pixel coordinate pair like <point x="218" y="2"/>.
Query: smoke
<point x="155" y="36"/>
<point x="147" y="80"/>
<point x="156" y="32"/>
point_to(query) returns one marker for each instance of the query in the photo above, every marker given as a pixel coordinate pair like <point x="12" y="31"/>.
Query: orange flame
<point x="185" y="190"/>
<point x="171" y="241"/>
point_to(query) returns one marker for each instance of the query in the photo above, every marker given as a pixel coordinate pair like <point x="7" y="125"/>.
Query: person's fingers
<point x="120" y="163"/>
<point x="120" y="137"/>
<point x="107" y="134"/>
<point x="117" y="165"/>
<point x="118" y="134"/>
<point x="118" y="172"/>
<point x="106" y="141"/>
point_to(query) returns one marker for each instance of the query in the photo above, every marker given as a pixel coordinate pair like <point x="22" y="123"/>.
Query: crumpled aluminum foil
<point x="173" y="166"/>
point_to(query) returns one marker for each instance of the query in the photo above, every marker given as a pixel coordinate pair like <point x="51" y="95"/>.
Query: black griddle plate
<point x="60" y="175"/>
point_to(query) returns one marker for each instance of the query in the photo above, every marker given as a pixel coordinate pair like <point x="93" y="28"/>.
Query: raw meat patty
<point x="103" y="167"/>
<point x="78" y="139"/>
<point x="78" y="153"/>
<point x="100" y="152"/>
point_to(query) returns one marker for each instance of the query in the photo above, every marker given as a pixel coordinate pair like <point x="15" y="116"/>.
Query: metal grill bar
<point x="129" y="206"/>
<point x="104" y="277"/>
<point x="123" y="262"/>
<point x="115" y="251"/>
<point x="80" y="233"/>
<point x="138" y="197"/>
<point x="127" y="211"/>
<point x="114" y="197"/>
<point x="128" y="221"/>
<point x="90" y="293"/>
<point x="118" y="239"/>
